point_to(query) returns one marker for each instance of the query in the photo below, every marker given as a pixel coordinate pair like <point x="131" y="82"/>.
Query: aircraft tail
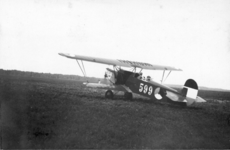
<point x="190" y="91"/>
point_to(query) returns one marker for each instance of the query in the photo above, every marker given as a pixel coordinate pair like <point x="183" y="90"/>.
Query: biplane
<point x="118" y="79"/>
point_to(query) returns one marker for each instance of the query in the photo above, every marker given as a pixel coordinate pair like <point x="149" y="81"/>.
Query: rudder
<point x="190" y="91"/>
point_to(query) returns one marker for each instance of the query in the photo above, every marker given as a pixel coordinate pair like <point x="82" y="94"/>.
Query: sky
<point x="193" y="35"/>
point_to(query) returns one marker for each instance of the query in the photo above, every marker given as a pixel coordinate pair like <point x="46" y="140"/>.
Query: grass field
<point x="62" y="114"/>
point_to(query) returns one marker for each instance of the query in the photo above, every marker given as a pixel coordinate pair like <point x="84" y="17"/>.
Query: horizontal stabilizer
<point x="187" y="95"/>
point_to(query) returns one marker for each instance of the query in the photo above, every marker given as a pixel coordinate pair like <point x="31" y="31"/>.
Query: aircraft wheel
<point x="163" y="93"/>
<point x="128" y="95"/>
<point x="109" y="94"/>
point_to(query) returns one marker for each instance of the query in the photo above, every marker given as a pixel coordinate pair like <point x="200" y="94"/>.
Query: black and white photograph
<point x="115" y="74"/>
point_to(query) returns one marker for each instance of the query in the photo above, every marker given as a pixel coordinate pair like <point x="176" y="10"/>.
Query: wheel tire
<point x="128" y="95"/>
<point x="109" y="94"/>
<point x="163" y="93"/>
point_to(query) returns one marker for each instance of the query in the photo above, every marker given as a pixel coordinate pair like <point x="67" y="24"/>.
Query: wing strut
<point x="141" y="70"/>
<point x="83" y="67"/>
<point x="83" y="71"/>
<point x="168" y="75"/>
<point x="134" y="69"/>
<point x="163" y="80"/>
<point x="163" y="76"/>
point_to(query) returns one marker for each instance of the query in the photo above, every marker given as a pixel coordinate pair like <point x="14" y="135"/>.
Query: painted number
<point x="150" y="90"/>
<point x="145" y="89"/>
<point x="141" y="87"/>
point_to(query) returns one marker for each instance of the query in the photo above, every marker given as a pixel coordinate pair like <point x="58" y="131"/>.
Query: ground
<point x="63" y="114"/>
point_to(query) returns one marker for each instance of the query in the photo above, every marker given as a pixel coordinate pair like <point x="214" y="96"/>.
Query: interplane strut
<point x="82" y="68"/>
<point x="163" y="80"/>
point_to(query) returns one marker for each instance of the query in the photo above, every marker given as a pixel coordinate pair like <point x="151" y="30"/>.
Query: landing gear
<point x="160" y="94"/>
<point x="128" y="95"/>
<point x="163" y="93"/>
<point x="109" y="94"/>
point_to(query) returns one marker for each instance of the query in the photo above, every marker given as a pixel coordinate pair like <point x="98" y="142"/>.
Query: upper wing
<point x="118" y="62"/>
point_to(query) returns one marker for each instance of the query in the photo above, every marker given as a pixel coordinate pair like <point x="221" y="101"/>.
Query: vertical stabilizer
<point x="190" y="91"/>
